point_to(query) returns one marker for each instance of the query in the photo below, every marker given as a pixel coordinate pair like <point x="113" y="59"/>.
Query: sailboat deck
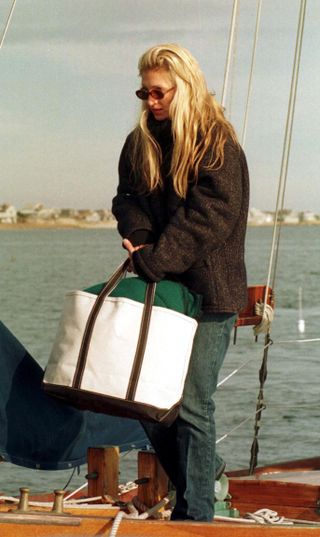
<point x="308" y="477"/>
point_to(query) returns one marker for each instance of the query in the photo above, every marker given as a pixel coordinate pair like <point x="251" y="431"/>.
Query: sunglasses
<point x="157" y="94"/>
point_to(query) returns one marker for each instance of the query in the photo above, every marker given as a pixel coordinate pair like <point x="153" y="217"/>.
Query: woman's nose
<point x="151" y="100"/>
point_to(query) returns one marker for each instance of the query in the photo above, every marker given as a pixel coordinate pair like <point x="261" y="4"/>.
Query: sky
<point x="68" y="72"/>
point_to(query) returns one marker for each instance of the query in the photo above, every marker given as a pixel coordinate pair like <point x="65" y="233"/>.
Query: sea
<point x="39" y="266"/>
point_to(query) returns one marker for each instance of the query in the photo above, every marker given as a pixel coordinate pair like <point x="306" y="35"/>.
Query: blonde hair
<point x="199" y="127"/>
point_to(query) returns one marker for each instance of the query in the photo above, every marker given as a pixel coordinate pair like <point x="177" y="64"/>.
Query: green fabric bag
<point x="169" y="294"/>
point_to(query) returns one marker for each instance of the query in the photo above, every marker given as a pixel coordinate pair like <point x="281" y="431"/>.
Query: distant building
<point x="93" y="217"/>
<point x="257" y="217"/>
<point x="49" y="214"/>
<point x="106" y="215"/>
<point x="291" y="217"/>
<point x="85" y="214"/>
<point x="69" y="213"/>
<point x="38" y="212"/>
<point x="309" y="217"/>
<point x="8" y="214"/>
<point x="30" y="211"/>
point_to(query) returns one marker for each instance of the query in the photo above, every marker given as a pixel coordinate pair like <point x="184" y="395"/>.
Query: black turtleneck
<point x="162" y="132"/>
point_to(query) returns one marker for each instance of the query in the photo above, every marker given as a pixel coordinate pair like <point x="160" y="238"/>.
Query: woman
<point x="181" y="207"/>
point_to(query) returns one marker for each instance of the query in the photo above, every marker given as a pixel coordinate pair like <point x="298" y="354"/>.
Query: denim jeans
<point x="186" y="449"/>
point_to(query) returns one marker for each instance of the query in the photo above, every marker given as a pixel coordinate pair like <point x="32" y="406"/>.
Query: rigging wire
<point x="229" y="53"/>
<point x="277" y="228"/>
<point x="233" y="66"/>
<point x="235" y="371"/>
<point x="309" y="405"/>
<point x="286" y="150"/>
<point x="224" y="436"/>
<point x="310" y="340"/>
<point x="254" y="48"/>
<point x="279" y="205"/>
<point x="7" y="23"/>
<point x="269" y="343"/>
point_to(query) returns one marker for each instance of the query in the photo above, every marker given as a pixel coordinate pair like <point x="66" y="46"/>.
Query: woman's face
<point x="159" y="79"/>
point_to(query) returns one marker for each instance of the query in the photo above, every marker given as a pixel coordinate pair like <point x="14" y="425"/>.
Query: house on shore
<point x="37" y="212"/>
<point x="256" y="217"/>
<point x="309" y="217"/>
<point x="291" y="217"/>
<point x="8" y="214"/>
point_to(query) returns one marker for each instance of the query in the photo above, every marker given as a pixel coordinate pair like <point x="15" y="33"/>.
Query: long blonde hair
<point x="199" y="127"/>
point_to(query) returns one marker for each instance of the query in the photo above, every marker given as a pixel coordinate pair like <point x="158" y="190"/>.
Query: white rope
<point x="116" y="523"/>
<point x="134" y="514"/>
<point x="126" y="487"/>
<point x="85" y="502"/>
<point x="7" y="23"/>
<point x="130" y="485"/>
<point x="267" y="314"/>
<point x="75" y="491"/>
<point x="153" y="510"/>
<point x="267" y="516"/>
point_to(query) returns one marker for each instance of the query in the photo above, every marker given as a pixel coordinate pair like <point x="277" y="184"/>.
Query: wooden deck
<point x="291" y="489"/>
<point x="89" y="525"/>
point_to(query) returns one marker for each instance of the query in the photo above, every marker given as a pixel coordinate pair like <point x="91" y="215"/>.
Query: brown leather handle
<point x="142" y="341"/>
<point x="113" y="281"/>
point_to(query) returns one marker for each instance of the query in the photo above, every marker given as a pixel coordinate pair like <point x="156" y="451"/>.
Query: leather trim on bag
<point x="142" y="341"/>
<point x="85" y="343"/>
<point x="106" y="404"/>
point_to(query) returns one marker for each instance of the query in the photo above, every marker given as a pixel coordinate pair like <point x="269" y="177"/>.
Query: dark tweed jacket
<point x="199" y="240"/>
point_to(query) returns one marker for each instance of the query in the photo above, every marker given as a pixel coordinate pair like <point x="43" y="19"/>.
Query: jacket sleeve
<point x="203" y="223"/>
<point x="133" y="221"/>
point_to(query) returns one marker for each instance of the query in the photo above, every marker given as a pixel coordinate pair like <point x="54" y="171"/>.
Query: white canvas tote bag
<point x="119" y="356"/>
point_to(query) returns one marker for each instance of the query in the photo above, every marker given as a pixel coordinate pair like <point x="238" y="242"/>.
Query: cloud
<point x="13" y="126"/>
<point x="100" y="20"/>
<point x="69" y="68"/>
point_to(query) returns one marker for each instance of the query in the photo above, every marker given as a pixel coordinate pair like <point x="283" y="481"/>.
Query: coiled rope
<point x="267" y="516"/>
<point x="134" y="513"/>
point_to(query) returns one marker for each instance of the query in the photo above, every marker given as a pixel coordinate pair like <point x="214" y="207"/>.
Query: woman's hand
<point x="131" y="249"/>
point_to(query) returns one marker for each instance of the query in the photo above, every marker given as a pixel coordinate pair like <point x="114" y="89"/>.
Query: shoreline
<point x="25" y="226"/>
<point x="54" y="225"/>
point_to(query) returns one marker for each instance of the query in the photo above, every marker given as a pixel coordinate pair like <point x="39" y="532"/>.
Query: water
<point x="39" y="266"/>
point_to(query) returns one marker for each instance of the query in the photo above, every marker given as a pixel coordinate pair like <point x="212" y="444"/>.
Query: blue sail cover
<point x="37" y="431"/>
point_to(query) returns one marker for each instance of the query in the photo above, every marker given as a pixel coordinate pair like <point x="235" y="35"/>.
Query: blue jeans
<point x="186" y="449"/>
